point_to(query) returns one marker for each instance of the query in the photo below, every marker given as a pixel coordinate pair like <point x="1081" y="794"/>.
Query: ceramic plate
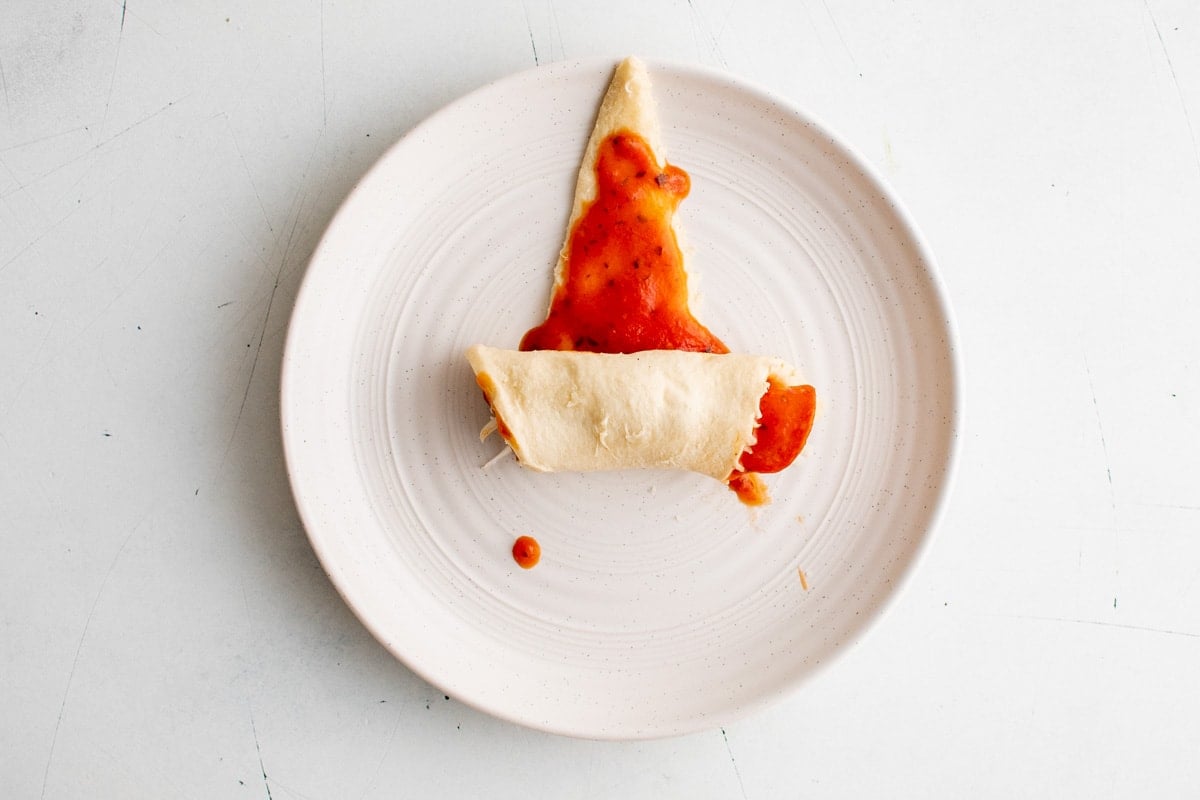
<point x="661" y="605"/>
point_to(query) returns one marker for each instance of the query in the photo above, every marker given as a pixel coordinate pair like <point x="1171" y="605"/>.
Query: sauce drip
<point x="787" y="417"/>
<point x="526" y="552"/>
<point x="624" y="289"/>
<point x="749" y="488"/>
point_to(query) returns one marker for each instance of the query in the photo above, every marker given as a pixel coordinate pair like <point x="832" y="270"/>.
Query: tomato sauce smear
<point x="624" y="289"/>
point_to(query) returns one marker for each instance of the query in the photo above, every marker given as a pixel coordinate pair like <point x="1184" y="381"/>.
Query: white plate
<point x="661" y="604"/>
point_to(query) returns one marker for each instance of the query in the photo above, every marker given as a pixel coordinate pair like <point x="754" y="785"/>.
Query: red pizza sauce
<point x="526" y="552"/>
<point x="624" y="289"/>
<point x="748" y="487"/>
<point x="787" y="418"/>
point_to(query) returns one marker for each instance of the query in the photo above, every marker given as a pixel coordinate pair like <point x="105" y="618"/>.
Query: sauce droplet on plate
<point x="526" y="552"/>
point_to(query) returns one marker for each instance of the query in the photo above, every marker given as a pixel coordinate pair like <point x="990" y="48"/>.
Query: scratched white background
<point x="165" y="171"/>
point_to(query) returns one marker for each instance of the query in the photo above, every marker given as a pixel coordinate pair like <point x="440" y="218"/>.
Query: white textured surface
<point x="165" y="172"/>
<point x="661" y="605"/>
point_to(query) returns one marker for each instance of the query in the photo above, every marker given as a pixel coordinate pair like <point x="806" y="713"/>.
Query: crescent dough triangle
<point x="628" y="104"/>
